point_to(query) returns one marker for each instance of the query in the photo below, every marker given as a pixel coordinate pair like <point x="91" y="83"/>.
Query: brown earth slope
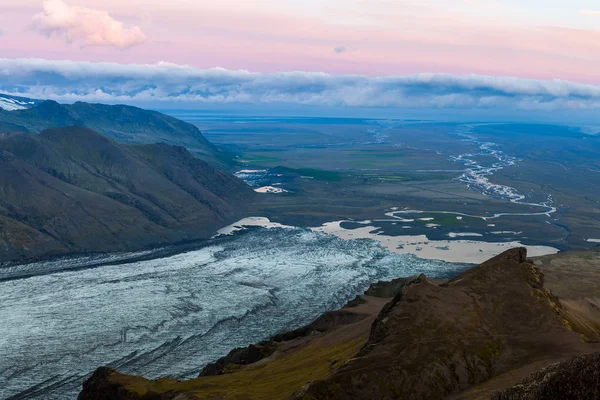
<point x="492" y="325"/>
<point x="432" y="341"/>
<point x="574" y="277"/>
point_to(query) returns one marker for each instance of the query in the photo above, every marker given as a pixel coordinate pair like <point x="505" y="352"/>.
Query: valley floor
<point x="534" y="184"/>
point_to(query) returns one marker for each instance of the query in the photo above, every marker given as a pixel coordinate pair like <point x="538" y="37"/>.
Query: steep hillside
<point x="435" y="340"/>
<point x="74" y="190"/>
<point x="122" y="123"/>
<point x="492" y="325"/>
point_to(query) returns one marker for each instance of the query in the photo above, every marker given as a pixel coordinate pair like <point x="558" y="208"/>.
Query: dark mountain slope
<point x="126" y="124"/>
<point x="73" y="190"/>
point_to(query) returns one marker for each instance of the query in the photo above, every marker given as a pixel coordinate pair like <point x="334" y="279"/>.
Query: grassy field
<point x="259" y="159"/>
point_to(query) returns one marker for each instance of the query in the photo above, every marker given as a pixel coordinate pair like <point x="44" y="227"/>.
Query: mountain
<point x="12" y="103"/>
<point x="468" y="338"/>
<point x="74" y="190"/>
<point x="125" y="124"/>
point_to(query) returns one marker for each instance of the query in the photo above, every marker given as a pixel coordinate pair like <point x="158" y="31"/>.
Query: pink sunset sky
<point x="528" y="38"/>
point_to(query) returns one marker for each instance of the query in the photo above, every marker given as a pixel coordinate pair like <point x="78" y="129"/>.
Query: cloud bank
<point x="70" y="81"/>
<point x="85" y="26"/>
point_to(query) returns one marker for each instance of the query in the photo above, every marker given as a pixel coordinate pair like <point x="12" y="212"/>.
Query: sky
<point x="352" y="48"/>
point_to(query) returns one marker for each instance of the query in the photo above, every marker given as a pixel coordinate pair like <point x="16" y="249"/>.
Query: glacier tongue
<point x="169" y="316"/>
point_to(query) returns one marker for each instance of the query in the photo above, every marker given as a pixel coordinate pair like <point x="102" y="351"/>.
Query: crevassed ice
<point x="170" y="316"/>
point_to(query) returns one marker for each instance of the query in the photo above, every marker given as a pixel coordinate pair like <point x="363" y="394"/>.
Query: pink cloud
<point x="86" y="26"/>
<point x="385" y="37"/>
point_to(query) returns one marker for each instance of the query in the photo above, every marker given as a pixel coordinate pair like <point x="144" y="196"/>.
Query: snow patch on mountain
<point x="11" y="103"/>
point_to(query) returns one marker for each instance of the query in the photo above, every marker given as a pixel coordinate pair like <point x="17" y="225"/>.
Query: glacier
<point x="172" y="314"/>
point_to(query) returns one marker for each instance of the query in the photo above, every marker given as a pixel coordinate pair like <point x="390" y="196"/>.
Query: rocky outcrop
<point x="388" y="289"/>
<point x="238" y="357"/>
<point x="577" y="378"/>
<point x="99" y="387"/>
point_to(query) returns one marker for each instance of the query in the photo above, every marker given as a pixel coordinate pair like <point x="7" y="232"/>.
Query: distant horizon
<point x="592" y="126"/>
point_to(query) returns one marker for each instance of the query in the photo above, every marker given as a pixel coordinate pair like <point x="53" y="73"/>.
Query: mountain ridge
<point x="123" y="123"/>
<point x="71" y="189"/>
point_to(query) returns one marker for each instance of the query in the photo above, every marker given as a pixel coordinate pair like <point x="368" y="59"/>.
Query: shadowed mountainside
<point x="74" y="190"/>
<point x="493" y="324"/>
<point x="125" y="124"/>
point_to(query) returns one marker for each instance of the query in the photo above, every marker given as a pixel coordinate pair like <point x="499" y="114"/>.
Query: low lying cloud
<point x="85" y="26"/>
<point x="70" y="81"/>
<point x="593" y="13"/>
<point x="339" y="49"/>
